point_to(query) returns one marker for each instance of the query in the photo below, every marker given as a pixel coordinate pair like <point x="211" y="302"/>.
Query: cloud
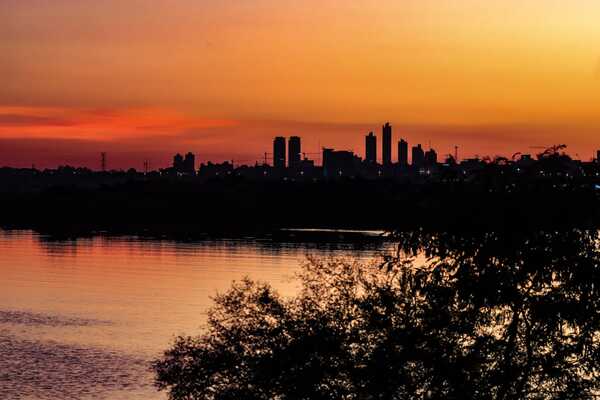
<point x="99" y="124"/>
<point x="32" y="120"/>
<point x="131" y="136"/>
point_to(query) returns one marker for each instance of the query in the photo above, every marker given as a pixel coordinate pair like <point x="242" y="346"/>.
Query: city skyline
<point x="141" y="79"/>
<point x="383" y="149"/>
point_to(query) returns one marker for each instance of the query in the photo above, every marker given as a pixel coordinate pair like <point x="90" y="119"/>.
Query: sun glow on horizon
<point x="480" y="74"/>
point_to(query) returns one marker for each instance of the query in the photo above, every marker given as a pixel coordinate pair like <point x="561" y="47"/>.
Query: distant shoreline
<point x="185" y="209"/>
<point x="283" y="235"/>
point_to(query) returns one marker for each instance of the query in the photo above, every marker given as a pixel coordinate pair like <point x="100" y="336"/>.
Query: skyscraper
<point x="189" y="164"/>
<point x="279" y="152"/>
<point x="403" y="152"/>
<point x="294" y="151"/>
<point x="178" y="163"/>
<point x="327" y="162"/>
<point x="598" y="156"/>
<point x="371" y="148"/>
<point x="386" y="155"/>
<point x="418" y="156"/>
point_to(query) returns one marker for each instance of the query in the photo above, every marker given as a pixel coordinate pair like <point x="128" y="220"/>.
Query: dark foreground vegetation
<point x="504" y="315"/>
<point x="185" y="207"/>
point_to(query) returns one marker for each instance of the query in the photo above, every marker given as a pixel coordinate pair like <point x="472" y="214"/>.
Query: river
<point x="81" y="319"/>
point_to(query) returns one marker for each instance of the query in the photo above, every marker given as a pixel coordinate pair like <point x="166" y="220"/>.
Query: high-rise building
<point x="371" y="148"/>
<point x="189" y="164"/>
<point x="294" y="151"/>
<point x="386" y="150"/>
<point x="598" y="156"/>
<point x="418" y="156"/>
<point x="279" y="152"/>
<point x="430" y="157"/>
<point x="403" y="152"/>
<point x="178" y="163"/>
<point x="327" y="161"/>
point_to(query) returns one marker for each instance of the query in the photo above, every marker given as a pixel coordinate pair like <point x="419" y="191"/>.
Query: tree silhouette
<point x="519" y="311"/>
<point x="506" y="315"/>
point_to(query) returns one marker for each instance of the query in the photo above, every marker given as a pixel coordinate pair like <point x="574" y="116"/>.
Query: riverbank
<point x="237" y="208"/>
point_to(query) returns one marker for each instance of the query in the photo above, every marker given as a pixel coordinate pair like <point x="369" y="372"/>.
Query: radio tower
<point x="103" y="161"/>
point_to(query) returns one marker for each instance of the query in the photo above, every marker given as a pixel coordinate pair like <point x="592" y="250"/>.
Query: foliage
<point x="479" y="316"/>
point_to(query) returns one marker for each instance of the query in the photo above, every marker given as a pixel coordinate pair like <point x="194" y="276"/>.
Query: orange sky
<point x="142" y="79"/>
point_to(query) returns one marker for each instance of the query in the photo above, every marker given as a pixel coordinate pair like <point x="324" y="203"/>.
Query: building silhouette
<point x="279" y="152"/>
<point x="598" y="156"/>
<point x="178" y="165"/>
<point x="307" y="164"/>
<point x="430" y="157"/>
<point x="189" y="164"/>
<point x="386" y="150"/>
<point x="327" y="161"/>
<point x="371" y="148"/>
<point x="403" y="153"/>
<point x="340" y="163"/>
<point x="210" y="170"/>
<point x="294" y="152"/>
<point x="418" y="156"/>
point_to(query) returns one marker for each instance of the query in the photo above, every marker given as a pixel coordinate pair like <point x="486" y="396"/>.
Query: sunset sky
<point x="142" y="79"/>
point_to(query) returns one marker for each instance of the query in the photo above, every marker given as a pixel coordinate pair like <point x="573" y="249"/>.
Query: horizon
<point x="104" y="160"/>
<point x="143" y="80"/>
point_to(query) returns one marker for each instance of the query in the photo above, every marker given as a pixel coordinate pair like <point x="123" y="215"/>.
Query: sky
<point x="143" y="79"/>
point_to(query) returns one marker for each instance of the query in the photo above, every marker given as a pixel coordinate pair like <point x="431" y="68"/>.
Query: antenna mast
<point x="103" y="161"/>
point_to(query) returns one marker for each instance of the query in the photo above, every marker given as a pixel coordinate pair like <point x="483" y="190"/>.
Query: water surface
<point x="80" y="319"/>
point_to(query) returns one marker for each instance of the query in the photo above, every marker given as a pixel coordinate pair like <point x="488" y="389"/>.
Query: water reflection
<point x="470" y="315"/>
<point x="81" y="318"/>
<point x="33" y="319"/>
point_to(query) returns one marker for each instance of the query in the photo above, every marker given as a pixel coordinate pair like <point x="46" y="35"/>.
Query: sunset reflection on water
<point x="81" y="318"/>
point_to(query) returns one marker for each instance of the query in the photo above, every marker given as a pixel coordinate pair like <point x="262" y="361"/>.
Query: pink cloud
<point x="98" y="125"/>
<point x="54" y="136"/>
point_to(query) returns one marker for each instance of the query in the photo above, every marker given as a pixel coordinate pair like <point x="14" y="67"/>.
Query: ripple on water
<point x="49" y="370"/>
<point x="146" y="290"/>
<point x="28" y="318"/>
